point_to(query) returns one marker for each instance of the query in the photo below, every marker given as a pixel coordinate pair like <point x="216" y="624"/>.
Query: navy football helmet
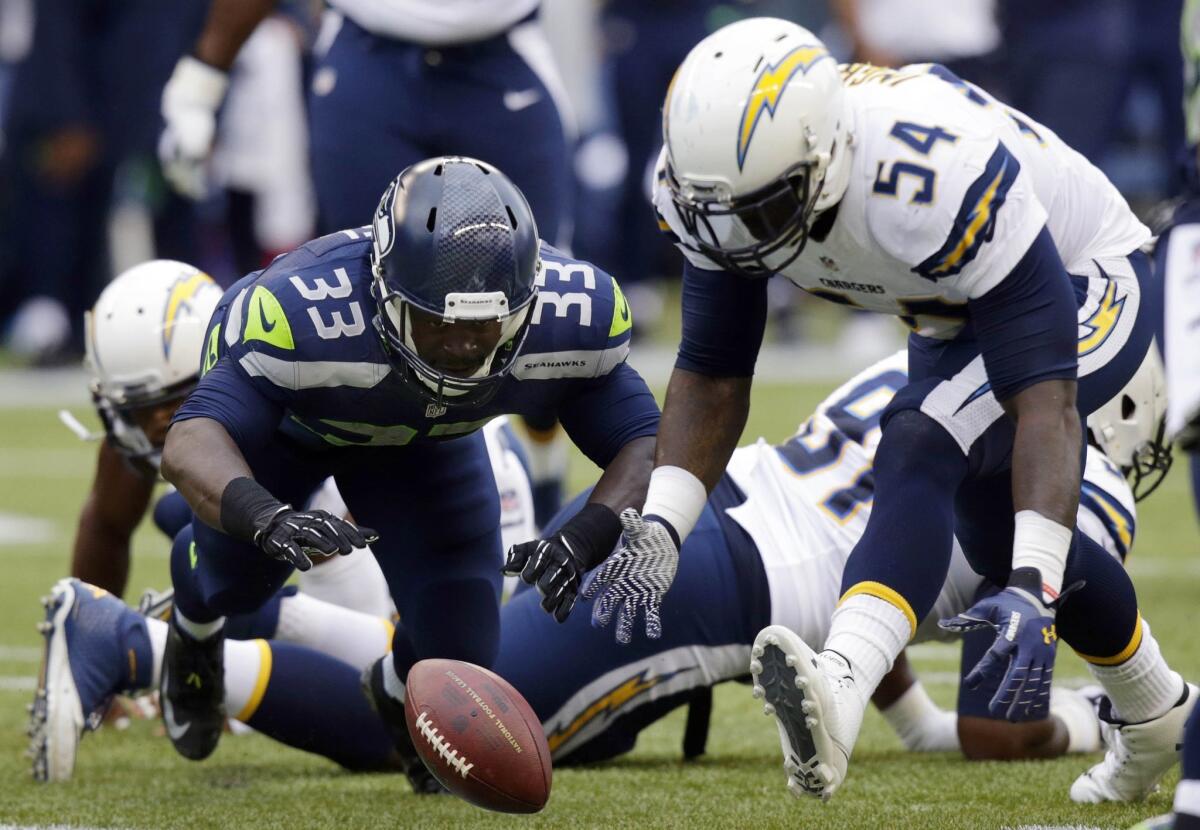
<point x="455" y="238"/>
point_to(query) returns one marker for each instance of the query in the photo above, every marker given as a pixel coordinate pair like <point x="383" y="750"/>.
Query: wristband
<point x="677" y="498"/>
<point x="593" y="533"/>
<point x="1042" y="543"/>
<point x="244" y="505"/>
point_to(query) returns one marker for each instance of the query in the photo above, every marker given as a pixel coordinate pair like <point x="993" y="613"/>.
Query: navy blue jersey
<point x="293" y="349"/>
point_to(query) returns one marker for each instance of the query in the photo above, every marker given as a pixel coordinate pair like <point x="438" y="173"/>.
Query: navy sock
<point x="261" y="623"/>
<point x="1098" y="619"/>
<point x="1191" y="747"/>
<point x="314" y="702"/>
<point x="908" y="539"/>
<point x="139" y="656"/>
<point x="188" y="597"/>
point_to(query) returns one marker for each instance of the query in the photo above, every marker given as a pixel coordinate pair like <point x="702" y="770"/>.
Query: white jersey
<point x="948" y="188"/>
<point x="808" y="501"/>
<point x="436" y="22"/>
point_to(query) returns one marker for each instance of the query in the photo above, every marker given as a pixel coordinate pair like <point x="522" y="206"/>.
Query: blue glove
<point x="1022" y="658"/>
<point x="636" y="577"/>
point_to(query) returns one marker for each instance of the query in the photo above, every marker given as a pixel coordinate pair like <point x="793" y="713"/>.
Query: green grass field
<point x="133" y="779"/>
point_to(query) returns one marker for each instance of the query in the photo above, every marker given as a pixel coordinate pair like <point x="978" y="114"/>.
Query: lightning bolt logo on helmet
<point x="179" y="299"/>
<point x="768" y="90"/>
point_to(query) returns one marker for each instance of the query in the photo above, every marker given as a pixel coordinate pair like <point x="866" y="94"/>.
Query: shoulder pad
<point x="292" y="321"/>
<point x="581" y="323"/>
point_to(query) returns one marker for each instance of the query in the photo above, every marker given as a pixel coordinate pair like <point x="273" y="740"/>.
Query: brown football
<point x="478" y="736"/>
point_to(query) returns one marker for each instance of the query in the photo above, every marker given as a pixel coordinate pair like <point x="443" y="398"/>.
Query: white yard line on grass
<point x="24" y="530"/>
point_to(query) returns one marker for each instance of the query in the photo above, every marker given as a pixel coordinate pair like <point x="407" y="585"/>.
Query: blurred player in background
<point x="1178" y="256"/>
<point x="767" y="533"/>
<point x="397" y="81"/>
<point x="1017" y="265"/>
<point x="80" y="116"/>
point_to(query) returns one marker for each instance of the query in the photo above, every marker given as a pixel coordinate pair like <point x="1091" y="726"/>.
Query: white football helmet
<point x="757" y="142"/>
<point x="144" y="340"/>
<point x="1130" y="428"/>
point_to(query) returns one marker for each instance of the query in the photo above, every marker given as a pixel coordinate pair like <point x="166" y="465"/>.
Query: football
<point x="478" y="736"/>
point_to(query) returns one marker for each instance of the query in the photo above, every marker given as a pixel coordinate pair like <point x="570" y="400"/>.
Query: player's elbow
<point x="984" y="739"/>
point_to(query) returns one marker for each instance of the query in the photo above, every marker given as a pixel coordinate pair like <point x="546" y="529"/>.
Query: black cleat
<point x="391" y="712"/>
<point x="191" y="692"/>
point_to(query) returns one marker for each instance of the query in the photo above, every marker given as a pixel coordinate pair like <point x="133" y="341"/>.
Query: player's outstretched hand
<point x="636" y="577"/>
<point x="190" y="102"/>
<point x="553" y="567"/>
<point x="1022" y="657"/>
<point x="291" y="535"/>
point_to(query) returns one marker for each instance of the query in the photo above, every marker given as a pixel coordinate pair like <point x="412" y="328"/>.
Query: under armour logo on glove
<point x="1022" y="657"/>
<point x="636" y="577"/>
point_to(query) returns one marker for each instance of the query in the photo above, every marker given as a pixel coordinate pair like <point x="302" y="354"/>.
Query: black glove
<point x="556" y="565"/>
<point x="291" y="535"/>
<point x="250" y="513"/>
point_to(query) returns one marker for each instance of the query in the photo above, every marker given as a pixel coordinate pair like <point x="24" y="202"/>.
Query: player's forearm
<point x="625" y="480"/>
<point x="229" y="24"/>
<point x="1046" y="450"/>
<point x="1046" y="476"/>
<point x="201" y="459"/>
<point x="101" y="555"/>
<point x="702" y="421"/>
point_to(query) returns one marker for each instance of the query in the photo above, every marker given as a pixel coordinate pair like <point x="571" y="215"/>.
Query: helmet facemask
<point x="395" y="322"/>
<point x="755" y="235"/>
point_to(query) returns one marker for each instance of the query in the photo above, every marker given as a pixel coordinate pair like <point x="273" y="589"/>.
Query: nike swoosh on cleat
<point x="174" y="729"/>
<point x="517" y="100"/>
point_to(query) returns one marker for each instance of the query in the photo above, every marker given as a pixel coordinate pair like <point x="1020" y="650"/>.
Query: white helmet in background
<point x="757" y="142"/>
<point x="1130" y="428"/>
<point x="144" y="340"/>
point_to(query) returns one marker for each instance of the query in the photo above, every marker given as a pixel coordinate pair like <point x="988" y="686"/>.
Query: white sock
<point x="199" y="631"/>
<point x="1187" y="797"/>
<point x="920" y="723"/>
<point x="354" y="581"/>
<point x="247" y="672"/>
<point x="1144" y="686"/>
<point x="351" y="636"/>
<point x="1078" y="717"/>
<point x="157" y="631"/>
<point x="392" y="684"/>
<point x="869" y="632"/>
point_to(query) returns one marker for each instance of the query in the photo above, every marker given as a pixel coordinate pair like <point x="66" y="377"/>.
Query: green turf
<point x="133" y="779"/>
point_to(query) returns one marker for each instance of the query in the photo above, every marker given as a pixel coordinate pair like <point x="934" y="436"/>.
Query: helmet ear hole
<point x="1128" y="407"/>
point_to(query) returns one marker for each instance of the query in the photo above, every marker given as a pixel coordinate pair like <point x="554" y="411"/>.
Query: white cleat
<point x="1138" y="755"/>
<point x="816" y="706"/>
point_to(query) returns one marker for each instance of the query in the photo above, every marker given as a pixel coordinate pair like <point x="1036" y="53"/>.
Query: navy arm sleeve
<point x="604" y="414"/>
<point x="724" y="316"/>
<point x="230" y="399"/>
<point x="1026" y="325"/>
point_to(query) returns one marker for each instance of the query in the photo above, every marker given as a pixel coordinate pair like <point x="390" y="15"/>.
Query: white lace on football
<point x="440" y="745"/>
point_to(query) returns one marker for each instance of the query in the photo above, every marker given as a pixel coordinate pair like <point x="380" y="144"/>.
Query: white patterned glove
<point x="190" y="102"/>
<point x="635" y="577"/>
